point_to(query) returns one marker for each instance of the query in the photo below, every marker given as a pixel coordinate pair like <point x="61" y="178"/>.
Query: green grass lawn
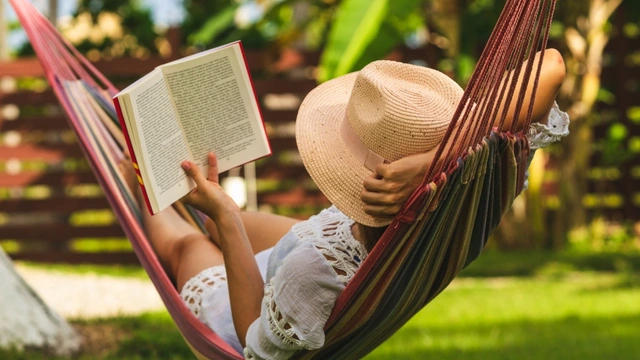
<point x="558" y="308"/>
<point x="578" y="316"/>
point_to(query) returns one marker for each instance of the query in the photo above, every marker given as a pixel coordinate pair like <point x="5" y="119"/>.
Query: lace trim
<point x="207" y="280"/>
<point x="330" y="233"/>
<point x="277" y="324"/>
<point x="541" y="135"/>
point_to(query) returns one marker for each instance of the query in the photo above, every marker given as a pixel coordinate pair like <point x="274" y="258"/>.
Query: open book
<point x="182" y="111"/>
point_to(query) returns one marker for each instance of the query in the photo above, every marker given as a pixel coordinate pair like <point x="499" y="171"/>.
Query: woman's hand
<point x="386" y="190"/>
<point x="208" y="196"/>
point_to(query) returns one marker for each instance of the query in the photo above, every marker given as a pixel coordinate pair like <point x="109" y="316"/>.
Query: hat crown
<point x="398" y="109"/>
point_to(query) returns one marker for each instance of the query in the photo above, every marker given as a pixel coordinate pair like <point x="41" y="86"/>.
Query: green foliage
<point x="206" y="22"/>
<point x="363" y="31"/>
<point x="478" y="19"/>
<point x="633" y="113"/>
<point x="604" y="237"/>
<point x="357" y="24"/>
<point x="557" y="30"/>
<point x="614" y="146"/>
<point x="214" y="26"/>
<point x="259" y="24"/>
<point x="135" y="20"/>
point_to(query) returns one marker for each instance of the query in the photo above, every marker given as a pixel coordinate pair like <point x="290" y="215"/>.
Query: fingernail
<point x="186" y="165"/>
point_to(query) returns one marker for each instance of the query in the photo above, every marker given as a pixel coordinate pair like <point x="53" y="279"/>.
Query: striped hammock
<point x="442" y="228"/>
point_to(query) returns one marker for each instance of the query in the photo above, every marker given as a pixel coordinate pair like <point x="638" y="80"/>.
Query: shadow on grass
<point x="148" y="336"/>
<point x="568" y="338"/>
<point x="530" y="263"/>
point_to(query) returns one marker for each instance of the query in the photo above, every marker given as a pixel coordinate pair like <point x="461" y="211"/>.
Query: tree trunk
<point x="445" y="16"/>
<point x="26" y="321"/>
<point x="53" y="11"/>
<point x="586" y="43"/>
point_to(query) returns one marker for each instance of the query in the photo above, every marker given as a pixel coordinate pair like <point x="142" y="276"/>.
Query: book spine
<point x="255" y="96"/>
<point x="116" y="103"/>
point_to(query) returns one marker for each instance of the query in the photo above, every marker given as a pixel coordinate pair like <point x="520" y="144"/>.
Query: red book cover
<point x="255" y="97"/>
<point x="250" y="92"/>
<point x="116" y="102"/>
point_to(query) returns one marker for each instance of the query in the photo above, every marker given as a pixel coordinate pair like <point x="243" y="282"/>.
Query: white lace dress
<point x="304" y="275"/>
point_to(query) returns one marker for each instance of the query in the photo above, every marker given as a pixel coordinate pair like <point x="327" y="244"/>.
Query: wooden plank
<point x="22" y="67"/>
<point x="31" y="67"/>
<point x="296" y="197"/>
<point x="103" y="258"/>
<point x="283" y="86"/>
<point x="261" y="86"/>
<point x="257" y="61"/>
<point x="127" y="66"/>
<point x="289" y="59"/>
<point x="281" y="144"/>
<point x="53" y="178"/>
<point x="58" y="232"/>
<point x="29" y="98"/>
<point x="282" y="172"/>
<point x="613" y="186"/>
<point x="279" y="116"/>
<point x="29" y="124"/>
<point x="47" y="153"/>
<point x="58" y="204"/>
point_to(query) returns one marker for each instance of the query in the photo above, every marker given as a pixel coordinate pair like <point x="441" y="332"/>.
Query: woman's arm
<point x="385" y="192"/>
<point x="243" y="276"/>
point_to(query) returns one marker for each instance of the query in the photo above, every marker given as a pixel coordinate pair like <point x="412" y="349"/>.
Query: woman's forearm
<point x="246" y="287"/>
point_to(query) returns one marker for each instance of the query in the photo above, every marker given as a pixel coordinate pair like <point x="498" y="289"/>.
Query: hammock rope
<point x="420" y="253"/>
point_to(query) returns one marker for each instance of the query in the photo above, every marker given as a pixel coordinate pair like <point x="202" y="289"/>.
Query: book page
<point x="217" y="109"/>
<point x="161" y="144"/>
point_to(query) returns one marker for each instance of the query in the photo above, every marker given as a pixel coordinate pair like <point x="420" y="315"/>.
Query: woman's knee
<point x="554" y="68"/>
<point x="181" y="249"/>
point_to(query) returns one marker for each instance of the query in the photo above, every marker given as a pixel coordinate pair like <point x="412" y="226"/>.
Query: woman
<point x="267" y="284"/>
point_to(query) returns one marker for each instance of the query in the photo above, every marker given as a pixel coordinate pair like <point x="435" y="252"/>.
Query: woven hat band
<point x="367" y="157"/>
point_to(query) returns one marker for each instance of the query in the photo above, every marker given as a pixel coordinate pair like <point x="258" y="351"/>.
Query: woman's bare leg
<point x="264" y="230"/>
<point x="183" y="251"/>
<point x="551" y="78"/>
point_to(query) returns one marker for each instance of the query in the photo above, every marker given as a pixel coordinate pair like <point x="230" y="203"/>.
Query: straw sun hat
<point x="348" y="125"/>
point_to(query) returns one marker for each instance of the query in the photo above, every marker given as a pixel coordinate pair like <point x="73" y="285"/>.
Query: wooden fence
<point x="51" y="208"/>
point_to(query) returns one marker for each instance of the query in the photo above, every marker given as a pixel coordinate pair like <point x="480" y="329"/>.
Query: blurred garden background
<point x="560" y="278"/>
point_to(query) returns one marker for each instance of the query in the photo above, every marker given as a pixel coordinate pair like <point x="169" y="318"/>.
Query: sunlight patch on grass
<point x="129" y="271"/>
<point x="580" y="316"/>
<point x="100" y="245"/>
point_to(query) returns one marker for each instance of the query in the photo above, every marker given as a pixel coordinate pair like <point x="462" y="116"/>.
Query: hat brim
<point x="330" y="163"/>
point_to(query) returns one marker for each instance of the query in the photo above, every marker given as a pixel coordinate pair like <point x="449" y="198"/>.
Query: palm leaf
<point x="222" y="21"/>
<point x="363" y="31"/>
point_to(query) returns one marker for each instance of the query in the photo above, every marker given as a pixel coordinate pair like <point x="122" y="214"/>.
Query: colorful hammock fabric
<point x="442" y="228"/>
